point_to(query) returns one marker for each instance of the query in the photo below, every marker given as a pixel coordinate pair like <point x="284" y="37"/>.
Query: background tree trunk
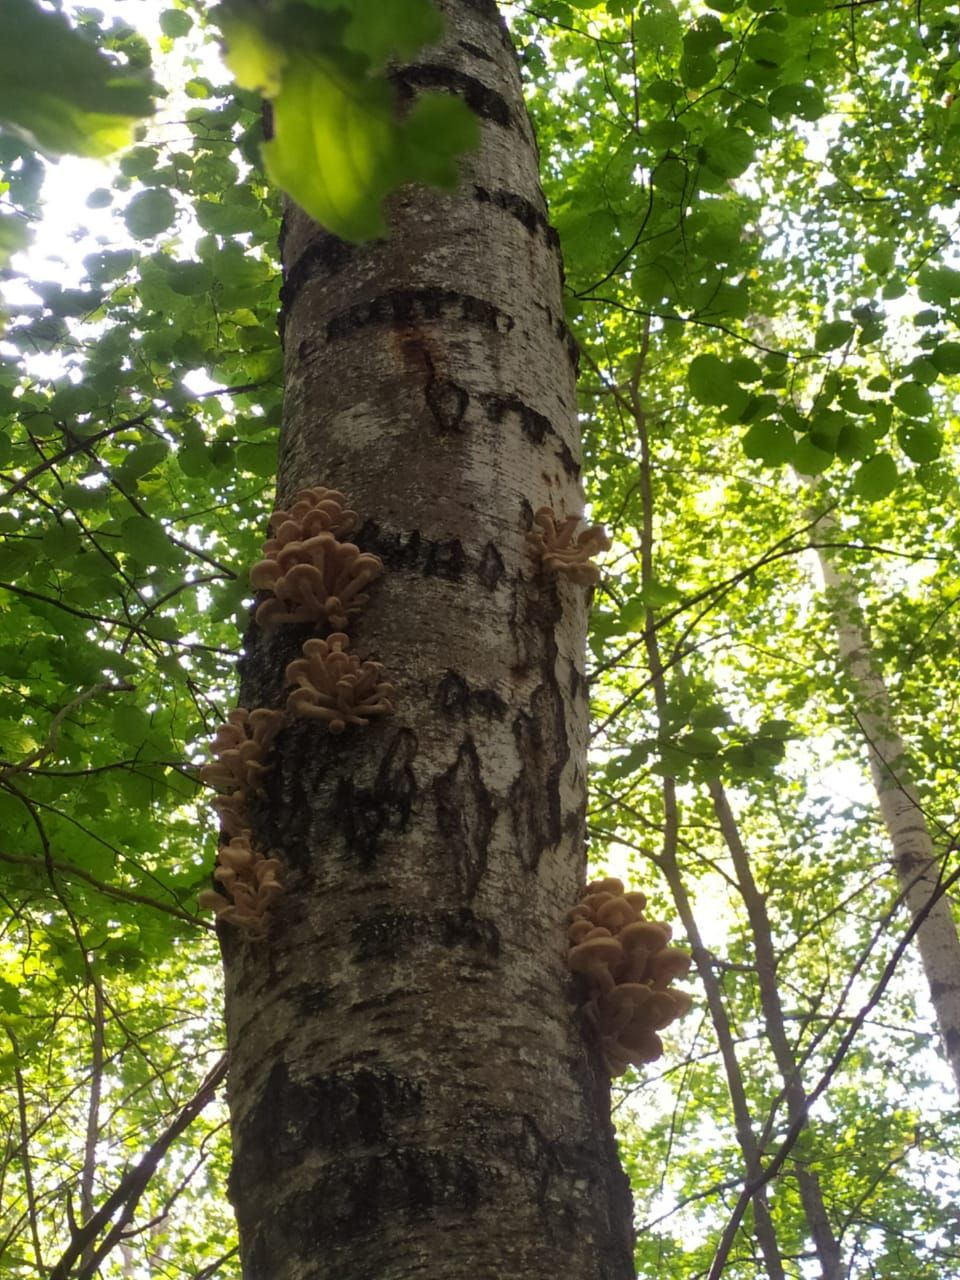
<point x="410" y="1089"/>
<point x="919" y="872"/>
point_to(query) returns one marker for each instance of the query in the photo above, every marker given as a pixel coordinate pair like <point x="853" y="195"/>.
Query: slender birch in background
<point x="919" y="870"/>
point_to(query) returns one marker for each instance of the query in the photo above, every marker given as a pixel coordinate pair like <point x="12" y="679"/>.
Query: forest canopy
<point x="757" y="208"/>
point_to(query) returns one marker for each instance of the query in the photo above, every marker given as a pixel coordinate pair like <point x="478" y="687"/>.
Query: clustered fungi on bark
<point x="317" y="579"/>
<point x="628" y="965"/>
<point x="313" y="577"/>
<point x="240" y="747"/>
<point x="250" y="882"/>
<point x="335" y="686"/>
<point x="554" y="544"/>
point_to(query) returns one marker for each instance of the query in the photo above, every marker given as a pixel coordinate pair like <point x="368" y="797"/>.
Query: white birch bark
<point x="411" y="1091"/>
<point x="919" y="872"/>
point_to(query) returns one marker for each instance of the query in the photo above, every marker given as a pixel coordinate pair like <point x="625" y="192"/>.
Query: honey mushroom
<point x="312" y="511"/>
<point x="335" y="686"/>
<point x="312" y="577"/>
<point x="554" y="543"/>
<point x="241" y="746"/>
<point x="250" y="882"/>
<point x="315" y="580"/>
<point x="629" y="965"/>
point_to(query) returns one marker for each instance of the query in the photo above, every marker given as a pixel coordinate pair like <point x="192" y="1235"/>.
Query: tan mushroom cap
<point x="643" y="935"/>
<point x="595" y="953"/>
<point x="668" y="964"/>
<point x="615" y="913"/>
<point x="642" y="1045"/>
<point x="579" y="930"/>
<point x="610" y="884"/>
<point x="657" y="1012"/>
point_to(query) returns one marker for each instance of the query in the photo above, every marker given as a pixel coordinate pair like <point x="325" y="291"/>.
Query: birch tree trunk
<point x="411" y="1091"/>
<point x="919" y="873"/>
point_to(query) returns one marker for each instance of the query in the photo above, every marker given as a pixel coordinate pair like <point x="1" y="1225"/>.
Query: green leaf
<point x="334" y="146"/>
<point x="384" y="32"/>
<point x="913" y="398"/>
<point x="801" y="100"/>
<point x="59" y="91"/>
<point x="701" y="742"/>
<point x="436" y="132"/>
<point x="876" y="478"/>
<point x="833" y="334"/>
<point x="711" y="381"/>
<point x="150" y="212"/>
<point x="696" y="70"/>
<point x="880" y="258"/>
<point x="260" y="459"/>
<point x="938" y="284"/>
<point x="138" y="461"/>
<point x="14" y="235"/>
<point x="946" y="357"/>
<point x="853" y="443"/>
<point x="920" y="441"/>
<point x="189" y="278"/>
<point x="808" y="460"/>
<point x="729" y="152"/>
<point x="175" y="22"/>
<point x="146" y="541"/>
<point x="770" y="442"/>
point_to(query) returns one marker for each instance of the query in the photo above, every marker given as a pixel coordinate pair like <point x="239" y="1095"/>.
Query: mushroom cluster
<point x="317" y="579"/>
<point x="629" y="965"/>
<point x="313" y="577"/>
<point x="312" y="511"/>
<point x="240" y="747"/>
<point x="335" y="686"/>
<point x="559" y="552"/>
<point x="250" y="882"/>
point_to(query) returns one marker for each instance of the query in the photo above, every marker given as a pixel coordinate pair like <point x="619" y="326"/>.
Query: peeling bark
<point x="411" y="1091"/>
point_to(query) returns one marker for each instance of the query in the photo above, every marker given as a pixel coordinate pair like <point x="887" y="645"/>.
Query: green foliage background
<point x="757" y="205"/>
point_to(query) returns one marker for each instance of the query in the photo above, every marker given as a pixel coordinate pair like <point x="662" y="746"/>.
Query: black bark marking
<point x="482" y="100"/>
<point x="363" y="814"/>
<point x="543" y="751"/>
<point x="388" y="933"/>
<point x="579" y="684"/>
<point x="475" y="51"/>
<point x="535" y="426"/>
<point x="445" y="560"/>
<point x="309" y="998"/>
<point x="407" y="307"/>
<point x="326" y="255"/>
<point x="455" y="698"/>
<point x="465" y="816"/>
<point x="447" y="402"/>
<point x="409" y="551"/>
<point x="356" y="1192"/>
<point x="571" y="345"/>
<point x="537" y="1154"/>
<point x="491" y="567"/>
<point x="526" y="213"/>
<point x="334" y="1111"/>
